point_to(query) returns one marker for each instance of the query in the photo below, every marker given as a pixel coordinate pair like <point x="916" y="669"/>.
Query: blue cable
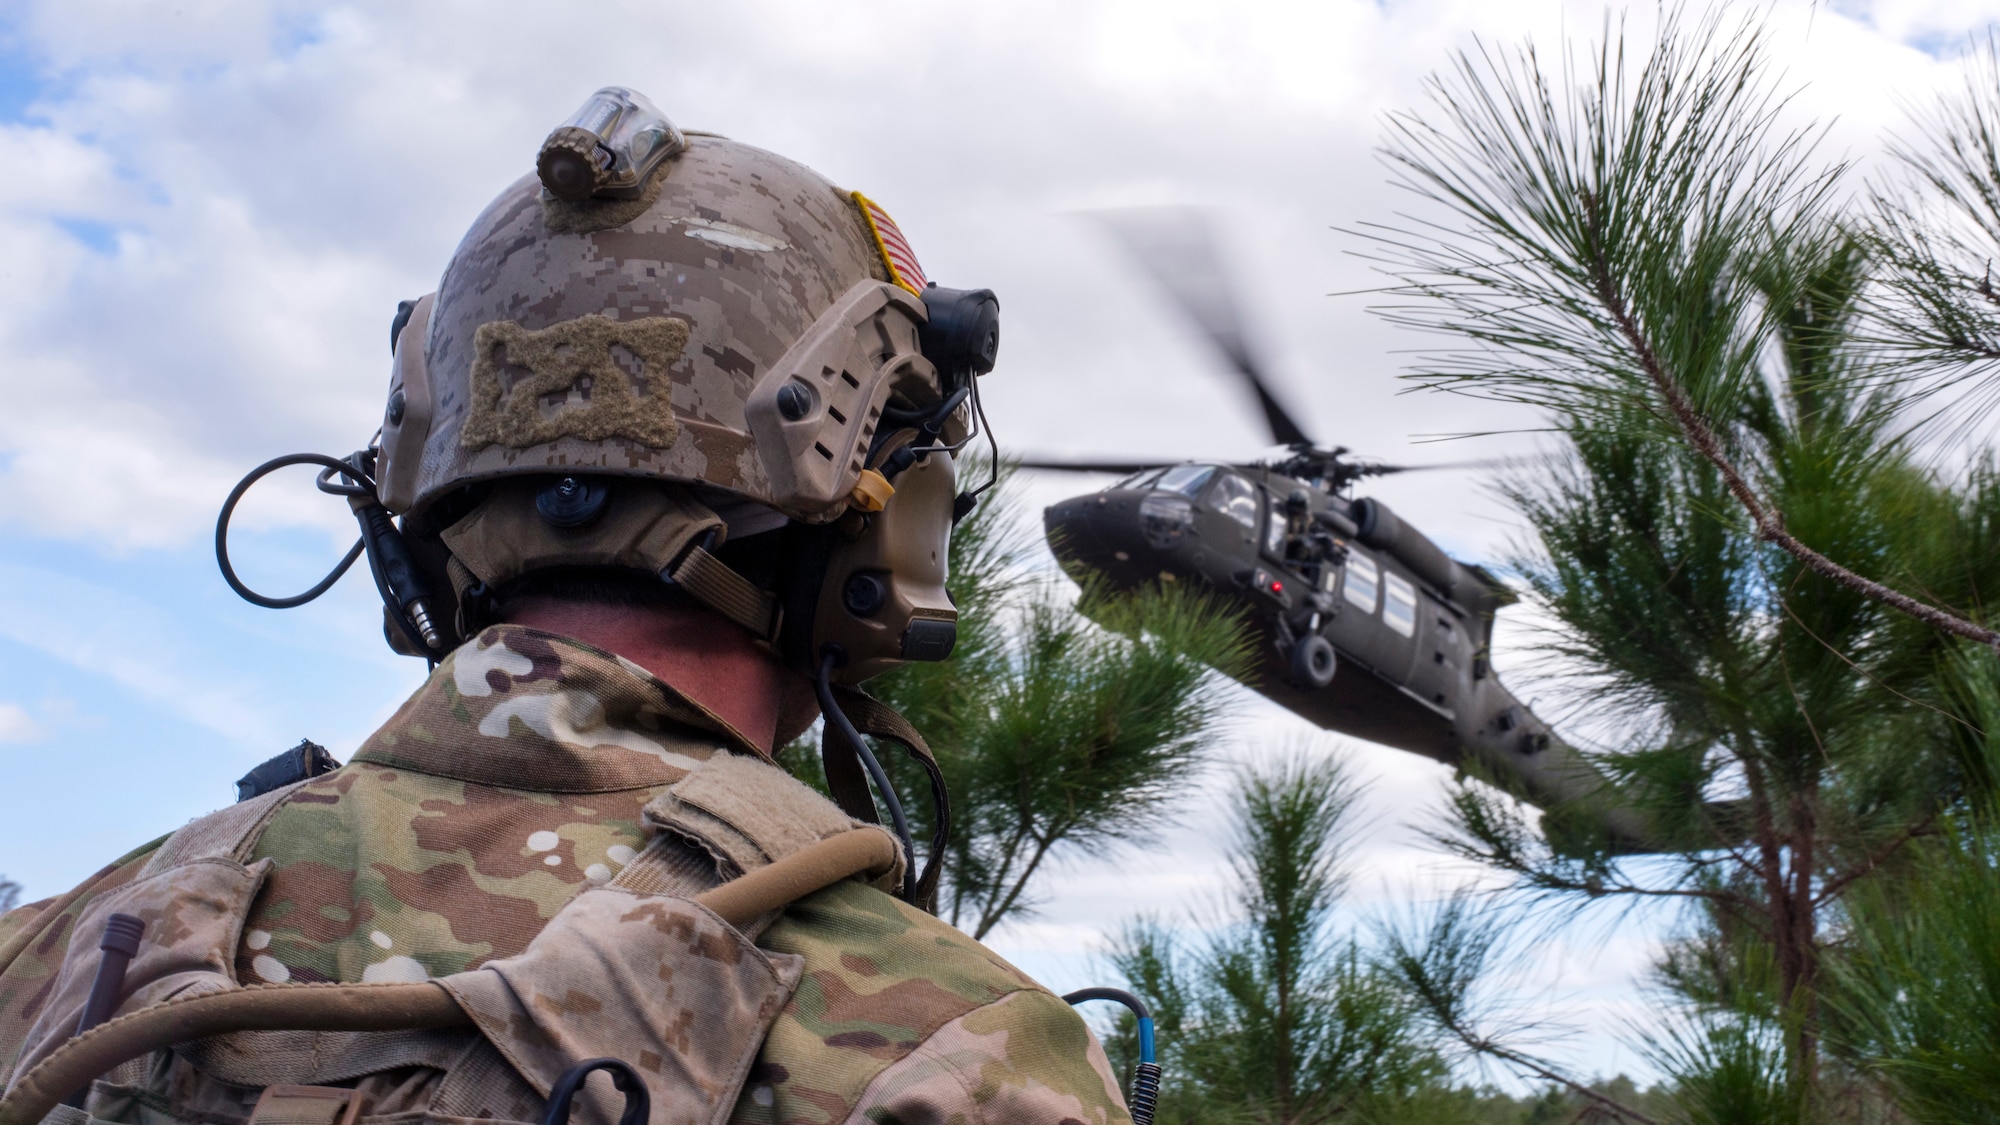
<point x="1146" y="1076"/>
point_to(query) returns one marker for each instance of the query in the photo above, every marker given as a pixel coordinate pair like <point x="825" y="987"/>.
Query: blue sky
<point x="211" y="210"/>
<point x="148" y="687"/>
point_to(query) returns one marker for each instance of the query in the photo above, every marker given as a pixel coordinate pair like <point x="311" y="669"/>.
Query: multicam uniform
<point x="530" y="768"/>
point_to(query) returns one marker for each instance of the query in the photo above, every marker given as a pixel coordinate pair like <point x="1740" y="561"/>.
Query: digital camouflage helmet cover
<point x="726" y="322"/>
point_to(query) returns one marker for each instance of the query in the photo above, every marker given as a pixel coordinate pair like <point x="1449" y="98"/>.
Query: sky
<point x="210" y="209"/>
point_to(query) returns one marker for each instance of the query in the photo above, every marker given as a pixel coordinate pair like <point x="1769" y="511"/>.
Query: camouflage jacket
<point x="517" y="777"/>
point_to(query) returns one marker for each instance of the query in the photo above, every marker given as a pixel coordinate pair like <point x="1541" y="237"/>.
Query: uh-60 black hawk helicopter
<point x="1366" y="627"/>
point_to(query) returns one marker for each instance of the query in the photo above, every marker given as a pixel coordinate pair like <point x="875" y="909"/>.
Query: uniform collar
<point x="523" y="709"/>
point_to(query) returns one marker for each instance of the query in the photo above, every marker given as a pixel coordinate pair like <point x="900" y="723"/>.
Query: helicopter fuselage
<point x="1411" y="628"/>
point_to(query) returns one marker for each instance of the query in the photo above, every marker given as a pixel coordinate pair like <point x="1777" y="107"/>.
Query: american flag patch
<point x="894" y="248"/>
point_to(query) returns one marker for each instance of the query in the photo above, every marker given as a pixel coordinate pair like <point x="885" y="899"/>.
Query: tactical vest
<point x="634" y="969"/>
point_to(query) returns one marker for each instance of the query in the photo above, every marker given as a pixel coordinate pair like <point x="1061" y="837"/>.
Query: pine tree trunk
<point x="1789" y="861"/>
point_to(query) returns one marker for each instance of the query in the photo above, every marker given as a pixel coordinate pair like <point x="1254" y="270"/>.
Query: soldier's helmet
<point x="658" y="343"/>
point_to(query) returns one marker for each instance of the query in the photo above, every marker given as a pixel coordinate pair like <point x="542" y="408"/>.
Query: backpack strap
<point x="229" y="833"/>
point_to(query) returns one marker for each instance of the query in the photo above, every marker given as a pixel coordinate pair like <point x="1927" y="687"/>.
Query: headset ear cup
<point x="882" y="599"/>
<point x="406" y="423"/>
<point x="961" y="336"/>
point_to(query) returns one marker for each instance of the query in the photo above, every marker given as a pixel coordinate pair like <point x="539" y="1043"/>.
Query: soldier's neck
<point x="705" y="658"/>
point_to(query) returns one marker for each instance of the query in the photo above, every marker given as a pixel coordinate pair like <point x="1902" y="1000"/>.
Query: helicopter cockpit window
<point x="1236" y="498"/>
<point x="1185" y="479"/>
<point x="1399" y="610"/>
<point x="1363" y="581"/>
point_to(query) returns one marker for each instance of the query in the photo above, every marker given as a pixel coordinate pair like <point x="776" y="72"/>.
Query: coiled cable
<point x="1144" y="1099"/>
<point x="329" y="468"/>
<point x="405" y="593"/>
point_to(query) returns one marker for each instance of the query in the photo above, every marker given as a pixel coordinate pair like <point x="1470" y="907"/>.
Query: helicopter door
<point x="1395" y="641"/>
<point x="1363" y="587"/>
<point x="1274" y="529"/>
<point x="1399" y="607"/>
<point x="1444" y="652"/>
<point x="1374" y="623"/>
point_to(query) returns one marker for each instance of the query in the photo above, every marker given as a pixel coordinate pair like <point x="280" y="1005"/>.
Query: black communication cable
<point x="830" y="707"/>
<point x="403" y="590"/>
<point x="992" y="443"/>
<point x="329" y="466"/>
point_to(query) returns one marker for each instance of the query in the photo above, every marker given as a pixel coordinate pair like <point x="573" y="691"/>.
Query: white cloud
<point x="1941" y="26"/>
<point x="17" y="725"/>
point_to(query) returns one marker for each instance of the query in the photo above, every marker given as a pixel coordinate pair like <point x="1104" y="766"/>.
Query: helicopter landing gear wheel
<point x="1312" y="662"/>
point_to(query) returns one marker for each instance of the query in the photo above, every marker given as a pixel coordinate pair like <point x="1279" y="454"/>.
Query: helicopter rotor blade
<point x="1175" y="248"/>
<point x="1377" y="469"/>
<point x="1087" y="465"/>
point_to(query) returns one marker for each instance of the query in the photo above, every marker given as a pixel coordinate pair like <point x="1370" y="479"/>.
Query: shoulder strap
<point x="227" y="833"/>
<point x="849" y="784"/>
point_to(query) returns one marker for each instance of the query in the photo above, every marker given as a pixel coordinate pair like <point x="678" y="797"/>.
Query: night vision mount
<point x="608" y="149"/>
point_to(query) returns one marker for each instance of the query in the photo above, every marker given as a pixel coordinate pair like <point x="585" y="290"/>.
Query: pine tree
<point x="1728" y="532"/>
<point x="1278" y="1017"/>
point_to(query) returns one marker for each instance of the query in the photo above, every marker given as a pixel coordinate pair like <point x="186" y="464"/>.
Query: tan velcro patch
<point x="578" y="364"/>
<point x="745" y="811"/>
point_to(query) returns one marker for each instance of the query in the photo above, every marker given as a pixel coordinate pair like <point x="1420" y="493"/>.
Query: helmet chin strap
<point x="718" y="586"/>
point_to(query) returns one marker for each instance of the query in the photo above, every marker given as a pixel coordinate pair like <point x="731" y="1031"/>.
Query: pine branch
<point x="1019" y="886"/>
<point x="1769" y="521"/>
<point x="1832" y="888"/>
<point x="1479" y="1044"/>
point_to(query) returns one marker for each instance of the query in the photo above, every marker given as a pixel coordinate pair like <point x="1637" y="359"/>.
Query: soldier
<point x="672" y="447"/>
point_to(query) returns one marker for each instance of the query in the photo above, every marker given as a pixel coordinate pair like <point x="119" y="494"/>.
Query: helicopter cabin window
<point x="1144" y="478"/>
<point x="1185" y="479"/>
<point x="1399" y="610"/>
<point x="1274" y="531"/>
<point x="1363" y="580"/>
<point x="1237" y="499"/>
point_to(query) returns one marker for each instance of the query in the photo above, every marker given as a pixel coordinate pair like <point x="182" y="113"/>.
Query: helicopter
<point x="1363" y="624"/>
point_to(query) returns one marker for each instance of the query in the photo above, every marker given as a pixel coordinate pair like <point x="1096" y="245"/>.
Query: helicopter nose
<point x="1066" y="529"/>
<point x="1070" y="533"/>
<point x="1095" y="532"/>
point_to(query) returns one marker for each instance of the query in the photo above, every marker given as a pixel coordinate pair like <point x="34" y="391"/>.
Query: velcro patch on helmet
<point x="574" y="379"/>
<point x="894" y="248"/>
